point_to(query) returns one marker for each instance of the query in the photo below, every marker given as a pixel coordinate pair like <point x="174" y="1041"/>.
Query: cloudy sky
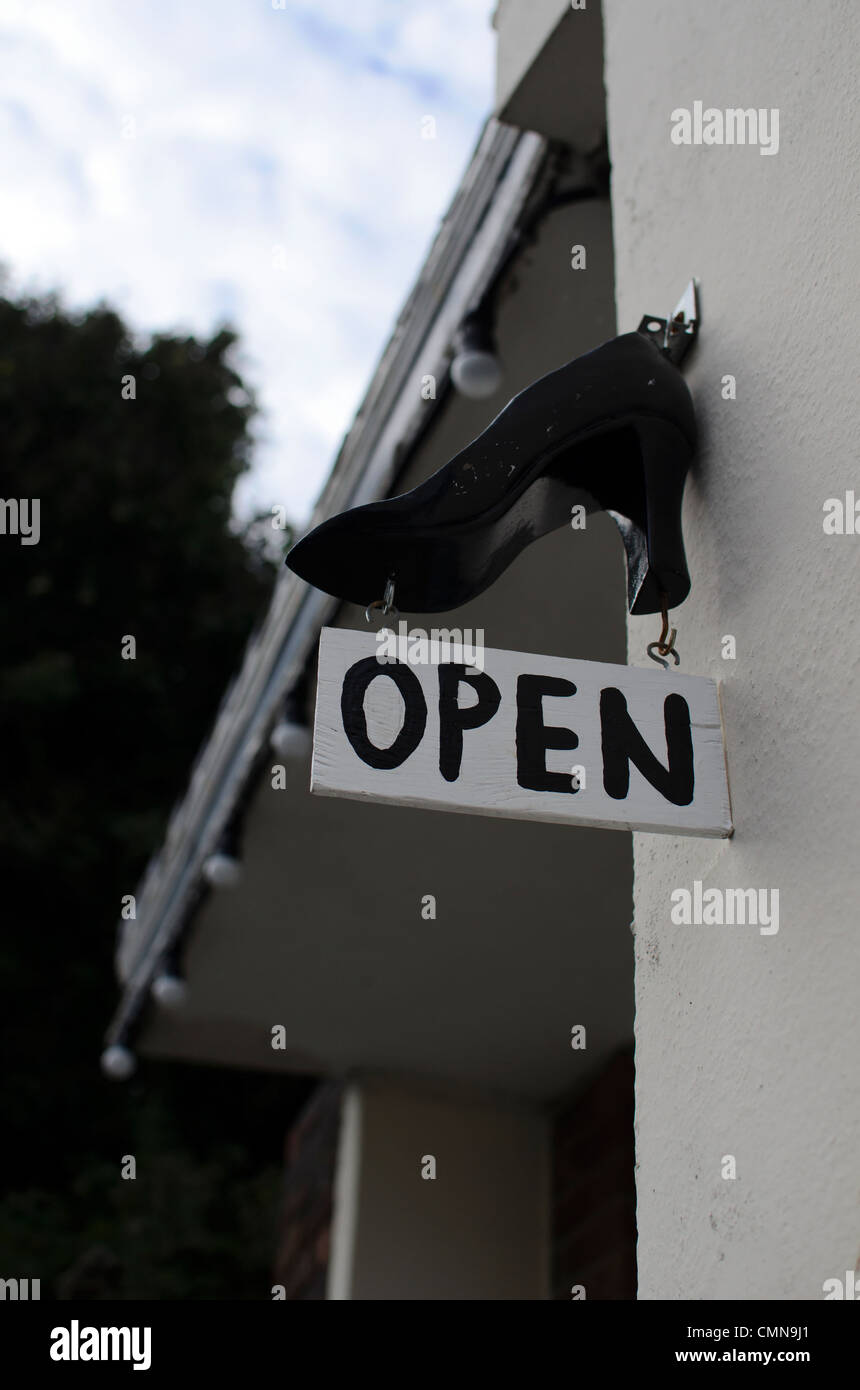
<point x="196" y="161"/>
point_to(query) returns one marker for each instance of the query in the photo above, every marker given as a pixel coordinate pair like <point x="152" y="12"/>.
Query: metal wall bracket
<point x="675" y="335"/>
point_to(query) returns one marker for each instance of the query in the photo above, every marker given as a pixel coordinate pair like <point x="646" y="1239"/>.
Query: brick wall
<point x="301" y="1263"/>
<point x="593" y="1219"/>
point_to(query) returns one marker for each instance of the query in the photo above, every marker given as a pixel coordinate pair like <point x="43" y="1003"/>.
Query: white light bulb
<point x="117" y="1062"/>
<point x="169" y="991"/>
<point x="222" y="871"/>
<point x="291" y="740"/>
<point x="476" y="373"/>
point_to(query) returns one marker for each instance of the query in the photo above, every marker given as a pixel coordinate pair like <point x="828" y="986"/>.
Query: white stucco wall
<point x="749" y="1044"/>
<point x="522" y="32"/>
<point x="478" y="1230"/>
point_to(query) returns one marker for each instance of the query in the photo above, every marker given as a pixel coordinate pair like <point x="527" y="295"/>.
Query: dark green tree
<point x="133" y="450"/>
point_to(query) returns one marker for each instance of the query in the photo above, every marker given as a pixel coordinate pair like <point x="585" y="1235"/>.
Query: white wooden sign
<point x="534" y="737"/>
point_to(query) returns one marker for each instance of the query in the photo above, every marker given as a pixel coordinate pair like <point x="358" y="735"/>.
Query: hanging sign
<point x="498" y="733"/>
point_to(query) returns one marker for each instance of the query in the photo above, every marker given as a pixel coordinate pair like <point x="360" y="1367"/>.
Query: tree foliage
<point x="134" y="480"/>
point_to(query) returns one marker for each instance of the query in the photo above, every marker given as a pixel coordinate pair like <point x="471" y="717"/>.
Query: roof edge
<point x="470" y="246"/>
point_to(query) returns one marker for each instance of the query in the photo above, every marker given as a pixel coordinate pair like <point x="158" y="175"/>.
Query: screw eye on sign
<point x="533" y="737"/>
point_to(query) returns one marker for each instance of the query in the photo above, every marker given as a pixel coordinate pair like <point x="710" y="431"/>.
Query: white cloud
<point x="276" y="175"/>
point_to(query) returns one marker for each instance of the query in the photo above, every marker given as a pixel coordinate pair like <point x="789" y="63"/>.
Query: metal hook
<point x="664" y="647"/>
<point x="675" y="334"/>
<point x="386" y="603"/>
<point x="659" y="659"/>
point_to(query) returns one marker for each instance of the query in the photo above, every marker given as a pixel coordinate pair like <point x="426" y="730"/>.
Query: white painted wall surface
<point x="522" y="32"/>
<point x="749" y="1044"/>
<point x="478" y="1230"/>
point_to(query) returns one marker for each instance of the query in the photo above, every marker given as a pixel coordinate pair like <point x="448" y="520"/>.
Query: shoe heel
<point x="660" y="573"/>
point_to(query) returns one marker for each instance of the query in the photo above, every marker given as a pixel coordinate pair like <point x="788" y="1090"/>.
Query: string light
<point x="222" y="870"/>
<point x="118" y="1062"/>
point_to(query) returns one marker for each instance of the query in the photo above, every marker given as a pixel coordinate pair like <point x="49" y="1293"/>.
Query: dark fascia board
<point x="560" y="92"/>
<point x="507" y="172"/>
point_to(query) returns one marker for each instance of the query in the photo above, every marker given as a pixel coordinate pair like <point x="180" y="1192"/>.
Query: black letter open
<point x="355" y="684"/>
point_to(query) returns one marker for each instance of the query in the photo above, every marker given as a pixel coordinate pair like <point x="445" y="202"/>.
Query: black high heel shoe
<point x="612" y="431"/>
